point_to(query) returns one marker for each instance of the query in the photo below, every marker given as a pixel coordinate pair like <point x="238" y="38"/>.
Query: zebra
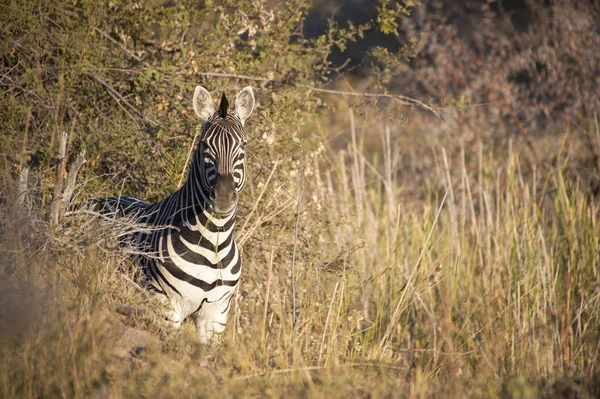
<point x="189" y="255"/>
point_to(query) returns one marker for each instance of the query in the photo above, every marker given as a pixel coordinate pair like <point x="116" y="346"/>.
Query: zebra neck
<point x="197" y="196"/>
<point x="199" y="217"/>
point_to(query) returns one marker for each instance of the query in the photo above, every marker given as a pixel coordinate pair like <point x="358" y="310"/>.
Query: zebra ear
<point x="203" y="103"/>
<point x="244" y="103"/>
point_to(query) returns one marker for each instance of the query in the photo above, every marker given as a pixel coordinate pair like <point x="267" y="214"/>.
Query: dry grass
<point x="482" y="283"/>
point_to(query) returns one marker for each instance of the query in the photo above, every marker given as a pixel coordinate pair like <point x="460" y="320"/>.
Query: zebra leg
<point x="173" y="309"/>
<point x="211" y="318"/>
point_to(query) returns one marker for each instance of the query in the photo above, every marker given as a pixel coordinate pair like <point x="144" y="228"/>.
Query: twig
<point x="25" y="138"/>
<point x="121" y="46"/>
<point x="72" y="178"/>
<point x="243" y="229"/>
<point x="521" y="130"/>
<point x="403" y="99"/>
<point x="281" y="184"/>
<point x="133" y="283"/>
<point x="266" y="307"/>
<point x="397" y="312"/>
<point x="262" y="220"/>
<point x="358" y="180"/>
<point x="120" y="99"/>
<point x="293" y="277"/>
<point x="327" y="320"/>
<point x="230" y="75"/>
<point x="128" y="310"/>
<point x="185" y="165"/>
<point x="597" y="130"/>
<point x="60" y="176"/>
<point x="313" y="368"/>
<point x="22" y="187"/>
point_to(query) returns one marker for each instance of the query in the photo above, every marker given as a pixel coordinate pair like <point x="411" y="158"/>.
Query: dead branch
<point x="72" y="179"/>
<point x="60" y="176"/>
<point x="22" y="190"/>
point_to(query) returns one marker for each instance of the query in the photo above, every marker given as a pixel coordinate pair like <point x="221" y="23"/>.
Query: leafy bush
<point x="118" y="76"/>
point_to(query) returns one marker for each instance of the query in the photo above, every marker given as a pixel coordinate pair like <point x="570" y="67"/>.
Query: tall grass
<point x="487" y="285"/>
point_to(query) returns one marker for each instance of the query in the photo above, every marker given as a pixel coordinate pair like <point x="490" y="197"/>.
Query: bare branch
<point x="403" y="99"/>
<point x="120" y="99"/>
<point x="398" y="97"/>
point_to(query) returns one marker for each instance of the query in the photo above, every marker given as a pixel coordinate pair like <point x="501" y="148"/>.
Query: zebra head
<point x="221" y="151"/>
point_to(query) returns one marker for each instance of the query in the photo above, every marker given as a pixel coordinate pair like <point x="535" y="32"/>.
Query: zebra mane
<point x="223" y="107"/>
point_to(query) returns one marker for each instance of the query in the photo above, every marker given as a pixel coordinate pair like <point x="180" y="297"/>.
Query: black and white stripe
<point x="190" y="254"/>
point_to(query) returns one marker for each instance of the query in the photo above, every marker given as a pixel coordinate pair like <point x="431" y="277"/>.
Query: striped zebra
<point x="189" y="253"/>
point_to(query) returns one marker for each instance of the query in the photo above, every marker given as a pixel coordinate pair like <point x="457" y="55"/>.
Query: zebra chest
<point x="197" y="264"/>
<point x="199" y="252"/>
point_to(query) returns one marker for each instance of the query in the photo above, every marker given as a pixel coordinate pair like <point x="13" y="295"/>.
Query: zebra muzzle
<point x="225" y="196"/>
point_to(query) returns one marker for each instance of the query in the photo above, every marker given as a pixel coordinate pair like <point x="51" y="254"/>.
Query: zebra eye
<point x="208" y="162"/>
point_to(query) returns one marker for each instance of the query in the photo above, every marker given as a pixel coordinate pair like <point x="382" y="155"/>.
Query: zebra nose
<point x="225" y="196"/>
